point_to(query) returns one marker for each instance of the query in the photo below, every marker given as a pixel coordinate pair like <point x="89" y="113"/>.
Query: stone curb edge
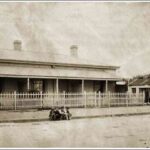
<point x="77" y="117"/>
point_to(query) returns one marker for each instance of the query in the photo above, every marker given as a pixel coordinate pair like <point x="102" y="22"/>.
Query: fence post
<point x="99" y="99"/>
<point x="127" y="95"/>
<point x="95" y="99"/>
<point x="85" y="99"/>
<point x="64" y="98"/>
<point x="1" y="100"/>
<point x="41" y="99"/>
<point x="15" y="97"/>
<point x="143" y="98"/>
<point x="53" y="97"/>
<point x="108" y="98"/>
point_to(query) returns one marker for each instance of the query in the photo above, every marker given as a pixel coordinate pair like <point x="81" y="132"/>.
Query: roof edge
<point x="59" y="64"/>
<point x="59" y="77"/>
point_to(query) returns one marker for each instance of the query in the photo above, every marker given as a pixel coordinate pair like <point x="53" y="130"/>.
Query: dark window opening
<point x="37" y="86"/>
<point x="133" y="90"/>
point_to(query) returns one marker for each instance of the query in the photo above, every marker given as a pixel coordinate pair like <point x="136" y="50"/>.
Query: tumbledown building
<point x="24" y="71"/>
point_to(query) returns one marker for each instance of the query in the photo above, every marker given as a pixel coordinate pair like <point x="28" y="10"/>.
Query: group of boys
<point x="60" y="113"/>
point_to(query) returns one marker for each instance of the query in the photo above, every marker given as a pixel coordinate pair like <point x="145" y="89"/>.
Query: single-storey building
<point x="140" y="84"/>
<point x="25" y="71"/>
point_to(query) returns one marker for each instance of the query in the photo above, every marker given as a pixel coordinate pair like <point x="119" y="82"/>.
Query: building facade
<point x="24" y="71"/>
<point x="141" y="84"/>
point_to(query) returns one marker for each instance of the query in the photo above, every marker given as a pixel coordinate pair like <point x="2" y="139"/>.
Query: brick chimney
<point x="17" y="45"/>
<point x="74" y="51"/>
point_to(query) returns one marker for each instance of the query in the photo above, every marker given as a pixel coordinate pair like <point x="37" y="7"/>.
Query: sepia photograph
<point x="74" y="74"/>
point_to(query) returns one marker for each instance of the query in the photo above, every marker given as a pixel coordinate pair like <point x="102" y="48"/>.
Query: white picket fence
<point x="46" y="100"/>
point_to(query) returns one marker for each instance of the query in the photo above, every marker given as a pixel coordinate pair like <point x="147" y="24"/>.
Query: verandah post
<point x="15" y="97"/>
<point x="57" y="100"/>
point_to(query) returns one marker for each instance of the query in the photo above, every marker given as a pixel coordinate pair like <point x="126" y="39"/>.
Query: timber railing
<point x="47" y="100"/>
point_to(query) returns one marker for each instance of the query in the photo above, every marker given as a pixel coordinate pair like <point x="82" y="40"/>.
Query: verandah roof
<point x="62" y="72"/>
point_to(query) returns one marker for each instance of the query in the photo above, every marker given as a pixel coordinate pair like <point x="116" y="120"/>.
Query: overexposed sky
<point x="115" y="33"/>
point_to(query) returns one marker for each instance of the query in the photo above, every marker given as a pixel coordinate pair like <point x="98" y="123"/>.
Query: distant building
<point x="24" y="71"/>
<point x="141" y="84"/>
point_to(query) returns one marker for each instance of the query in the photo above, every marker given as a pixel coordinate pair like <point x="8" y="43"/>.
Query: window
<point x="133" y="90"/>
<point x="37" y="85"/>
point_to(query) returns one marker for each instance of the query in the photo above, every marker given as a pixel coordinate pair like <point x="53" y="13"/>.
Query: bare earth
<point x="132" y="131"/>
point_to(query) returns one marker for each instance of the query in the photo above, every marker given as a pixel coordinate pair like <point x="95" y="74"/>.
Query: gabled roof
<point x="49" y="59"/>
<point x="140" y="81"/>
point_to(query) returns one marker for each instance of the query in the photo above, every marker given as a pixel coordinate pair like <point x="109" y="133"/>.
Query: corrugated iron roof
<point x="45" y="57"/>
<point x="140" y="81"/>
<point x="61" y="72"/>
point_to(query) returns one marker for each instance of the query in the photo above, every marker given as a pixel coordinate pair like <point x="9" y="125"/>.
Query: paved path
<point x="77" y="113"/>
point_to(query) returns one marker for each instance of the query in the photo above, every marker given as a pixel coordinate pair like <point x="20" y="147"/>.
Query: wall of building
<point x="22" y="85"/>
<point x="49" y="85"/>
<point x="88" y="86"/>
<point x="121" y="88"/>
<point x="63" y="86"/>
<point x="10" y="85"/>
<point x="129" y="89"/>
<point x="70" y="86"/>
<point x="77" y="86"/>
<point x="111" y="86"/>
<point x="94" y="86"/>
<point x="99" y="86"/>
